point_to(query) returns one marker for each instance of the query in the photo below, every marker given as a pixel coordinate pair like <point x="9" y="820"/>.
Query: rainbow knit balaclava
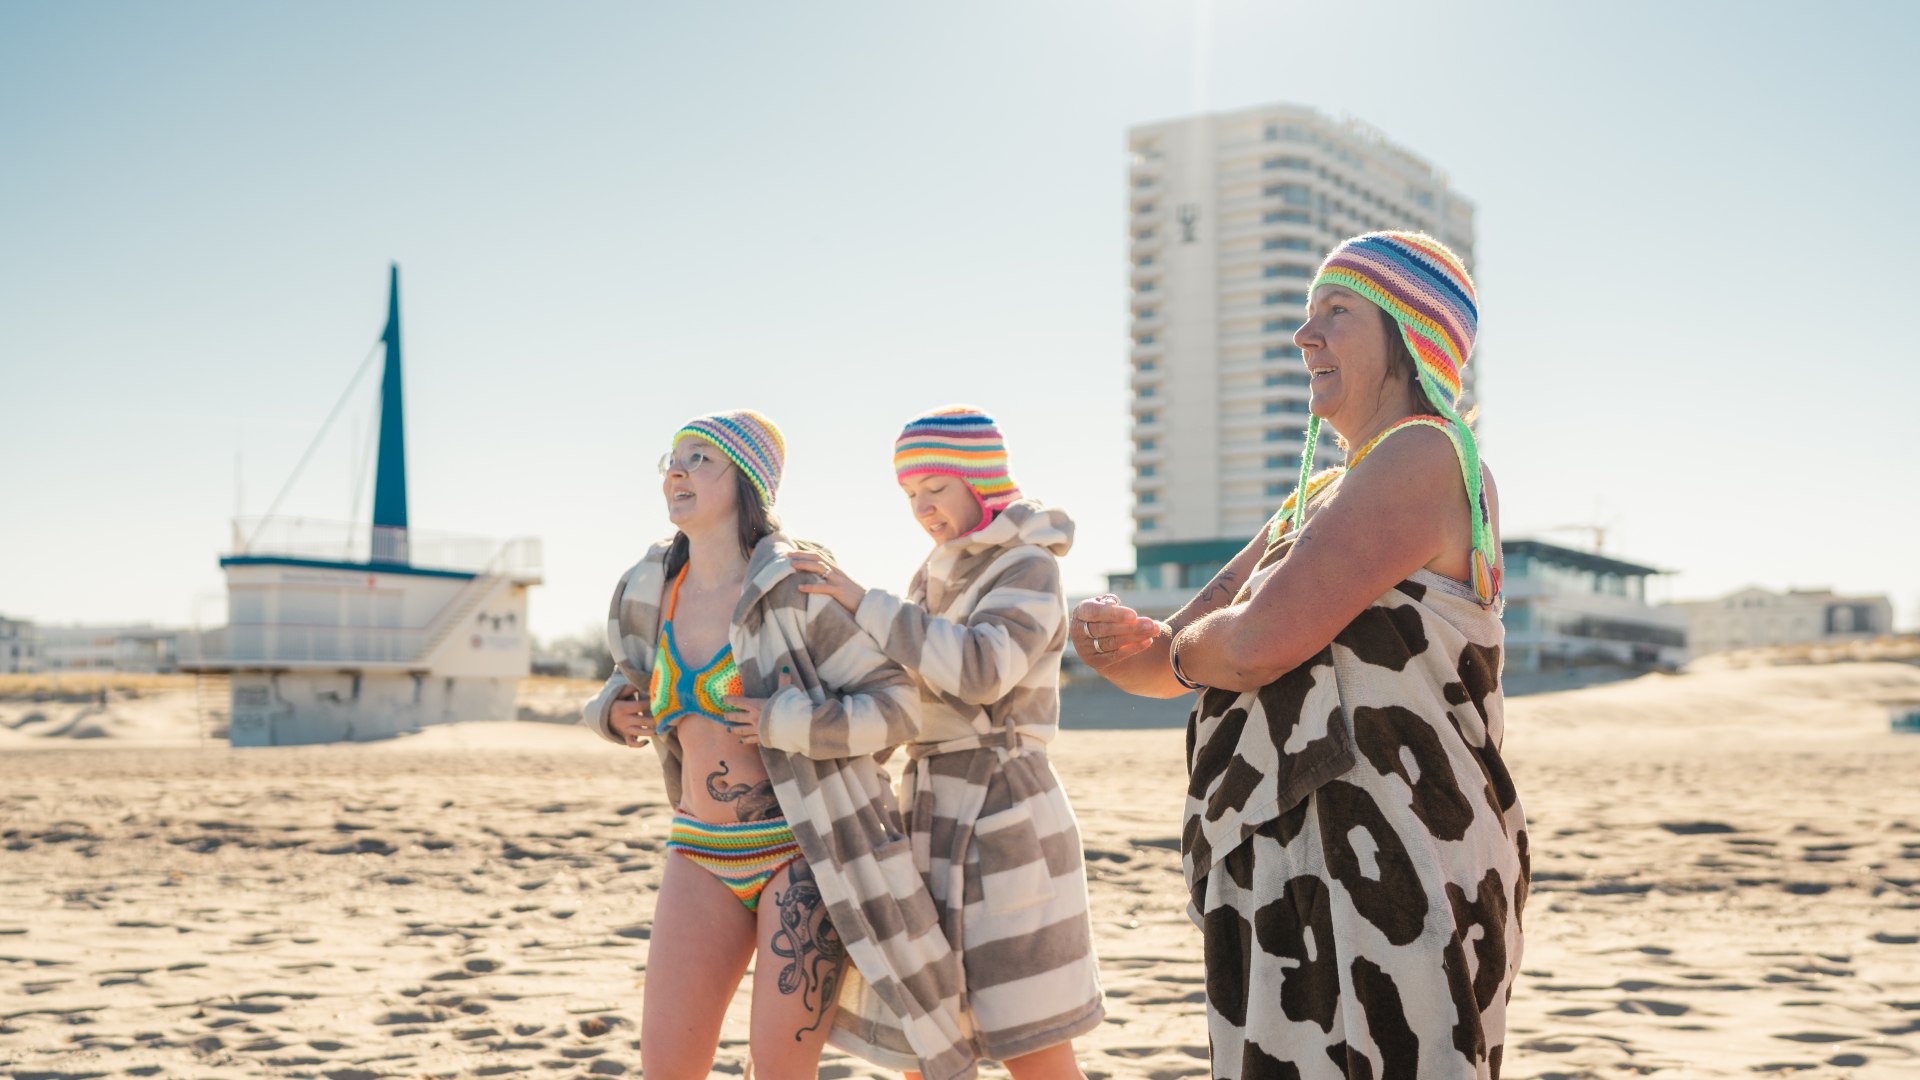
<point x="750" y="441"/>
<point x="959" y="441"/>
<point x="1425" y="289"/>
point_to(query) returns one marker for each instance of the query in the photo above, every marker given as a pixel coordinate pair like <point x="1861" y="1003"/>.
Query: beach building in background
<point x="346" y="631"/>
<point x="1568" y="607"/>
<point x="147" y="649"/>
<point x="27" y="647"/>
<point x="19" y="646"/>
<point x="1755" y="617"/>
<point x="1229" y="215"/>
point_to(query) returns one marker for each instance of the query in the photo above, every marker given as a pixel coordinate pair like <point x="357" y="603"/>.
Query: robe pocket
<point x="1013" y="865"/>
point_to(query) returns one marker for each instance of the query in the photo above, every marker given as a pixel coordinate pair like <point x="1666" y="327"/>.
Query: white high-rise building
<point x="1229" y="216"/>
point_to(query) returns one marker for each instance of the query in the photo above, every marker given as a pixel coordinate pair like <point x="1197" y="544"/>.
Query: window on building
<point x="1147" y="339"/>
<point x="1195" y="574"/>
<point x="1148" y="472"/>
<point x="1149" y="391"/>
<point x="1144" y="208"/>
<point x="1149" y="365"/>
<point x="1297" y="217"/>
<point x="1143" y="234"/>
<point x="1291" y="194"/>
<point x="1287" y="270"/>
<point x="1279" y="435"/>
<point x="1280" y="352"/>
<point x="1285" y="243"/>
<point x="1146" y="286"/>
<point x="1144" y="260"/>
<point x="1148" y="525"/>
<point x="1147" y="498"/>
<point x="1277" y="489"/>
<point x="1280" y="326"/>
<point x="1282" y="461"/>
<point x="1287" y="378"/>
<point x="1149" y="444"/>
<point x="1149" y="416"/>
<point x="1144" y="313"/>
<point x="1286" y="163"/>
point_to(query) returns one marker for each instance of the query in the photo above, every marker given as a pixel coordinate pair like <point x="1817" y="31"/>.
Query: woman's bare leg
<point x="1053" y="1063"/>
<point x="796" y="977"/>
<point x="701" y="941"/>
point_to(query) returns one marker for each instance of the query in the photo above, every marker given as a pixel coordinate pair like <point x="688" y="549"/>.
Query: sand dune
<point x="1727" y="883"/>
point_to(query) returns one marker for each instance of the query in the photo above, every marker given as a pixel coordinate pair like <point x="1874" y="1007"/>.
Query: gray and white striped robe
<point x="819" y="741"/>
<point x="982" y="629"/>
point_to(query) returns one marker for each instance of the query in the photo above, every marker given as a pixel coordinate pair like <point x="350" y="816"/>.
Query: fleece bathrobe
<point x="981" y="629"/>
<point x="819" y="741"/>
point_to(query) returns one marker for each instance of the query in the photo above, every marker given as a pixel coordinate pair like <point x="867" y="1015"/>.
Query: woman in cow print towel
<point x="1354" y="848"/>
<point x="766" y="708"/>
<point x="981" y="629"/>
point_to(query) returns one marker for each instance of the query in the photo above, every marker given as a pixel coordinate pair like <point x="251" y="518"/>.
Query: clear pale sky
<point x="1695" y="255"/>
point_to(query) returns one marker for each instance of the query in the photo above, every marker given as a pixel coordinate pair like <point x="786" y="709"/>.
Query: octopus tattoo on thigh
<point x="751" y="802"/>
<point x="814" y="954"/>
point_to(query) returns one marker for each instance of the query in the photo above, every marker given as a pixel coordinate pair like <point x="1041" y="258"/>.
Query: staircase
<point x="454" y="615"/>
<point x="213" y="704"/>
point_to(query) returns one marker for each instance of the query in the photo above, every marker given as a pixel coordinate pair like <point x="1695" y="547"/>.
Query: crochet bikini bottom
<point x="745" y="856"/>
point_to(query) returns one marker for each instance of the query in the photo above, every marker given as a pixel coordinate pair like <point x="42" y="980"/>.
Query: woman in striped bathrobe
<point x="982" y="628"/>
<point x="766" y="707"/>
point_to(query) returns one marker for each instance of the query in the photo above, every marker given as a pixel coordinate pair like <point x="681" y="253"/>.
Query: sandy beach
<point x="1726" y="882"/>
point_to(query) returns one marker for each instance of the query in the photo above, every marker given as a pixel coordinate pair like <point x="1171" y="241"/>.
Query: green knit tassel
<point x="1300" y="493"/>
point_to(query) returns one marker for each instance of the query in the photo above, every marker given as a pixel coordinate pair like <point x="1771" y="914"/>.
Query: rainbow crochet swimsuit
<point x="744" y="857"/>
<point x="678" y="691"/>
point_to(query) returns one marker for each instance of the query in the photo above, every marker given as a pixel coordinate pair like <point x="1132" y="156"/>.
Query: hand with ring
<point x="630" y="718"/>
<point x="1105" y="631"/>
<point x="828" y="579"/>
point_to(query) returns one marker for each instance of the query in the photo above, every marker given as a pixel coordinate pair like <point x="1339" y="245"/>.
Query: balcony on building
<point x="1568" y="607"/>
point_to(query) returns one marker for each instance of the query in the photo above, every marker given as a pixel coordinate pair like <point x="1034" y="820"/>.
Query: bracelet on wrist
<point x="1173" y="661"/>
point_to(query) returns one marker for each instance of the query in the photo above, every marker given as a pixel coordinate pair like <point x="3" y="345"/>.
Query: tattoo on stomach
<point x="751" y="802"/>
<point x="809" y="944"/>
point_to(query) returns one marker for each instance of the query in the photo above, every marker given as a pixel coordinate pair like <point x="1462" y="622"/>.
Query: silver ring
<point x="1096" y="644"/>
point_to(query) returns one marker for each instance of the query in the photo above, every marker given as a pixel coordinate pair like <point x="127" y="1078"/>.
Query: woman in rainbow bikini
<point x="719" y="658"/>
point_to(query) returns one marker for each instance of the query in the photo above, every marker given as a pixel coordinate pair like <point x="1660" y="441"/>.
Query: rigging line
<point x="304" y="458"/>
<point x="362" y="470"/>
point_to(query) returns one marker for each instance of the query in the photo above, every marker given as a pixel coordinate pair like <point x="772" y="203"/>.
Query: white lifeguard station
<point x="342" y="632"/>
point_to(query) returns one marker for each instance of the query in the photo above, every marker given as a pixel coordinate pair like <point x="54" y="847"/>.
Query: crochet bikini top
<point x="1484" y="577"/>
<point x="678" y="690"/>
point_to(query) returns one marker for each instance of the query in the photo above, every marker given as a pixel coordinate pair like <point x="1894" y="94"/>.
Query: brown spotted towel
<point x="1355" y="849"/>
<point x="982" y="629"/>
<point x="819" y="742"/>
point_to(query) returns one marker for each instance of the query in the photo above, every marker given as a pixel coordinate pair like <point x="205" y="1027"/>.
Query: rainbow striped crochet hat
<point x="959" y="441"/>
<point x="1426" y="290"/>
<point x="750" y="441"/>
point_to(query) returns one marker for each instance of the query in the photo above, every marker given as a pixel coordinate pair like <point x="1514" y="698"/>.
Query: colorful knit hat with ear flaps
<point x="959" y="441"/>
<point x="1425" y="289"/>
<point x="749" y="440"/>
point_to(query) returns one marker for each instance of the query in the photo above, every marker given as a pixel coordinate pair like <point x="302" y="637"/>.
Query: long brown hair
<point x="756" y="522"/>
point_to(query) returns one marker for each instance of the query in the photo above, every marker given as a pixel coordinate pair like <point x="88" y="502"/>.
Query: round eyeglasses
<point x="691" y="464"/>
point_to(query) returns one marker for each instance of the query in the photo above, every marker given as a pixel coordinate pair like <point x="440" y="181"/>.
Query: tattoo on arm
<point x="1220" y="589"/>
<point x="752" y="802"/>
<point x="809" y="944"/>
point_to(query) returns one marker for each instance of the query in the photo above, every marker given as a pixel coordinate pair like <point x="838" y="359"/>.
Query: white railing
<point x="336" y="541"/>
